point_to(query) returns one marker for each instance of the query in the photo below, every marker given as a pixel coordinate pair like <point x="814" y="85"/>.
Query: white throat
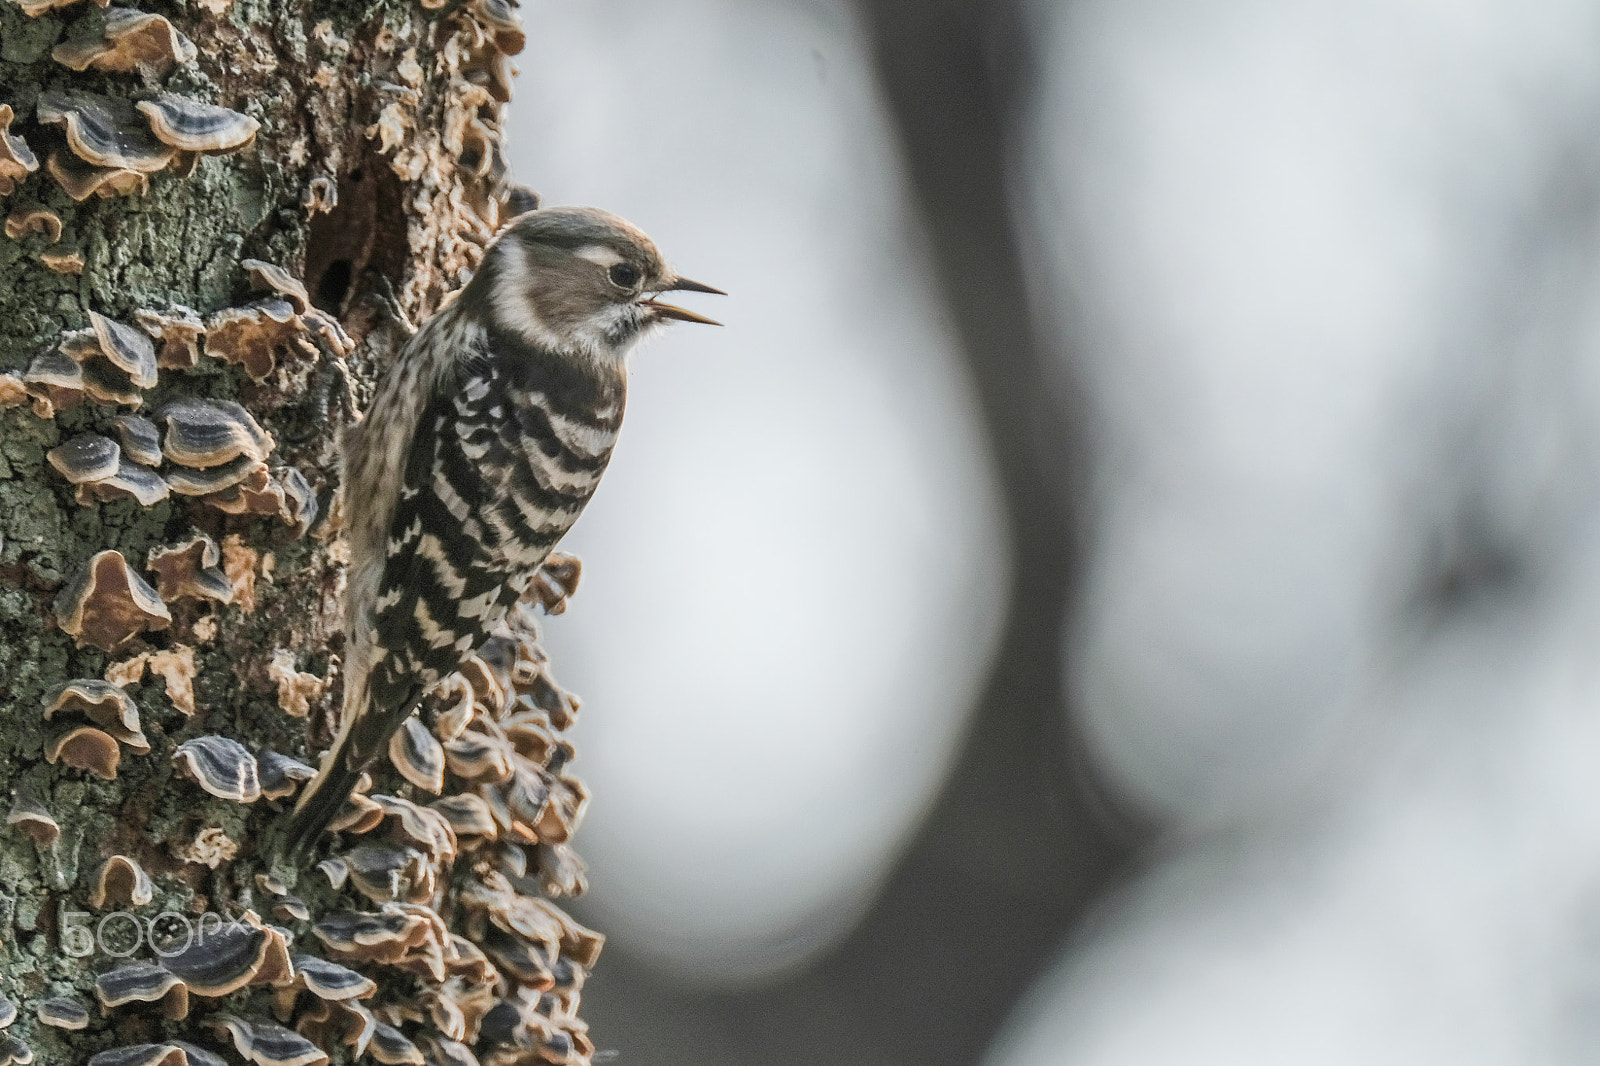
<point x="590" y="340"/>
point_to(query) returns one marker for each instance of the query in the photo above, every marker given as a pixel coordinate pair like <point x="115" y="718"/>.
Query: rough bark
<point x="375" y="179"/>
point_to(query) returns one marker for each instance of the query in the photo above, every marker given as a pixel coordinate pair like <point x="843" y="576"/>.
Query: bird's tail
<point x="319" y="803"/>
<point x="361" y="741"/>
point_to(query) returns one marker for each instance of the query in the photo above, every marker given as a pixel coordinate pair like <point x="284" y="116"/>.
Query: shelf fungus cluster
<point x="441" y="947"/>
<point x="124" y="42"/>
<point x="93" y="722"/>
<point x="501" y="979"/>
<point x="99" y="145"/>
<point x="212" y="452"/>
<point x="110" y="146"/>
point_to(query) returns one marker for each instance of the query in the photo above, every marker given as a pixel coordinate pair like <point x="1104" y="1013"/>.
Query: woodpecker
<point x="483" y="443"/>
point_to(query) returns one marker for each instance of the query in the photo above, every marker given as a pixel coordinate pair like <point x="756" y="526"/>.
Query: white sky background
<point x="1330" y="269"/>
<point x="788" y="597"/>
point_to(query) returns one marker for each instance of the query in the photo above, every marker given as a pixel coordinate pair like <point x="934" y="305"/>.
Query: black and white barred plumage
<point x="484" y="442"/>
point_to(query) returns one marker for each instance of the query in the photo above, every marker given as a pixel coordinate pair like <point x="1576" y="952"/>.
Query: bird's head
<point x="582" y="281"/>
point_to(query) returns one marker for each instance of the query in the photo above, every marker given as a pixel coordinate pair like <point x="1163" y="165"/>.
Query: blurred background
<point x="1124" y="586"/>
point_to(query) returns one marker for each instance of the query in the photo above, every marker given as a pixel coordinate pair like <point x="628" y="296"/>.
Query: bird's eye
<point x="624" y="275"/>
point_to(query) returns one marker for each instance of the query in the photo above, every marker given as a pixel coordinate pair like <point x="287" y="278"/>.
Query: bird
<point x="482" y="445"/>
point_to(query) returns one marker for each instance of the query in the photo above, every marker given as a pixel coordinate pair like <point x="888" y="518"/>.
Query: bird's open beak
<point x="669" y="311"/>
<point x="685" y="285"/>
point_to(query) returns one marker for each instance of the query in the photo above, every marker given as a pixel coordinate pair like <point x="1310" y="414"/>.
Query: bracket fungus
<point x="277" y="968"/>
<point x="130" y="481"/>
<point x="193" y="126"/>
<point x="452" y="719"/>
<point x="423" y="826"/>
<point x="105" y="383"/>
<point x="190" y="570"/>
<point x="501" y="20"/>
<point x="384" y="873"/>
<point x="86" y="457"/>
<point x="478" y="757"/>
<point x="443" y="1051"/>
<point x="29" y="220"/>
<point x="335" y="870"/>
<point x="127" y="41"/>
<point x="291" y="908"/>
<point x="104" y="131"/>
<point x="35" y="8"/>
<point x="418" y="755"/>
<point x="519" y="201"/>
<point x="128" y="349"/>
<point x="569" y="798"/>
<point x="30" y="815"/>
<point x="556" y="582"/>
<point x="148" y="1055"/>
<point x="81" y="180"/>
<point x="206" y="481"/>
<point x="63" y="262"/>
<point x="141" y="440"/>
<point x="268" y="278"/>
<point x="391" y="1047"/>
<point x="468" y="815"/>
<point x="206" y="433"/>
<point x="480" y="149"/>
<point x="267" y="1044"/>
<point x="121" y="881"/>
<point x="320" y="196"/>
<point x="174" y="665"/>
<point x="179" y="330"/>
<point x="296" y="688"/>
<point x="220" y="765"/>
<point x="94" y="464"/>
<point x="358" y="815"/>
<point x="280" y="775"/>
<point x="115" y="361"/>
<point x="386" y="937"/>
<point x="143" y="982"/>
<point x="252" y="336"/>
<point x="63" y="1012"/>
<point x="13" y="1051"/>
<point x="224" y="960"/>
<point x="210" y="847"/>
<point x="198" y="1056"/>
<point x="531" y="738"/>
<point x="283" y="494"/>
<point x="104" y="704"/>
<point x="343" y="1021"/>
<point x="107" y="604"/>
<point x="55" y="380"/>
<point x="17" y="160"/>
<point x="329" y="980"/>
<point x="86" y="748"/>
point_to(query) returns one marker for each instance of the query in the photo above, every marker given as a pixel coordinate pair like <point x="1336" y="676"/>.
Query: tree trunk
<point x="171" y="570"/>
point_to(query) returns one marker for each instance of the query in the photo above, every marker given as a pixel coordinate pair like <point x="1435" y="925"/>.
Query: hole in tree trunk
<point x="333" y="286"/>
<point x="365" y="231"/>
